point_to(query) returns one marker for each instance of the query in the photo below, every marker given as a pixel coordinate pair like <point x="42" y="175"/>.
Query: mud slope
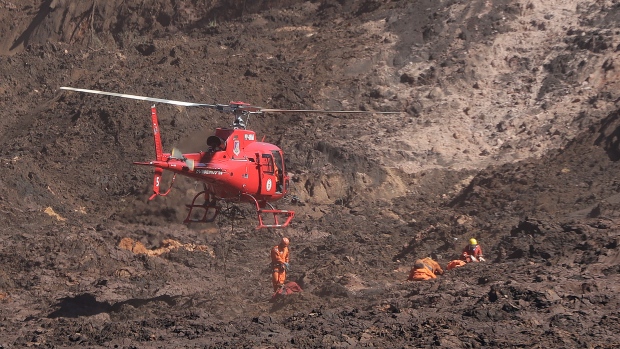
<point x="508" y="131"/>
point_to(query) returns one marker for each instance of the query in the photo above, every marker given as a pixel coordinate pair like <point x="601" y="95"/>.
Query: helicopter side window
<point x="277" y="159"/>
<point x="273" y="168"/>
<point x="268" y="163"/>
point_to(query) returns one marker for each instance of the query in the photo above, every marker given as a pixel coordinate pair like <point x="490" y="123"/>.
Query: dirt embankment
<point x="508" y="132"/>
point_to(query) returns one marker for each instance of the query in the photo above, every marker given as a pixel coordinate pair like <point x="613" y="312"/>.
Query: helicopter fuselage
<point x="234" y="166"/>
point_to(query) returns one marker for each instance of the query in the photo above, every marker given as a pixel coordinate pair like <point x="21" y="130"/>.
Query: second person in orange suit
<point x="279" y="263"/>
<point x="424" y="269"/>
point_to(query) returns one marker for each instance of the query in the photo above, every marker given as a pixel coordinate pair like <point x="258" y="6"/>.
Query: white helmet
<point x="284" y="242"/>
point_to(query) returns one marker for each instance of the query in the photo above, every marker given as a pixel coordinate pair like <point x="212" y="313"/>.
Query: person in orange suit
<point x="455" y="264"/>
<point x="424" y="269"/>
<point x="279" y="263"/>
<point x="276" y="173"/>
<point x="472" y="252"/>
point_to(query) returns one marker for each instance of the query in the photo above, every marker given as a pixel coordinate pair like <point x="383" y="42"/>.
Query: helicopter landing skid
<point x="276" y="224"/>
<point x="210" y="207"/>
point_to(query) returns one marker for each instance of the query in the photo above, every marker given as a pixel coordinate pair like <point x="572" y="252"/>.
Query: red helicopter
<point x="235" y="168"/>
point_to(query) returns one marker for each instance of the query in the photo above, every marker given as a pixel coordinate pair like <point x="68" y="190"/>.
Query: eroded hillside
<point x="508" y="131"/>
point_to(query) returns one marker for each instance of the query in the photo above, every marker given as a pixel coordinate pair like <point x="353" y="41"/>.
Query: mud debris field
<point x="508" y="132"/>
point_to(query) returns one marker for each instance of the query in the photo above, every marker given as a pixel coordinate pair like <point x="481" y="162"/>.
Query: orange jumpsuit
<point x="470" y="250"/>
<point x="279" y="256"/>
<point x="276" y="172"/>
<point x="421" y="274"/>
<point x="427" y="271"/>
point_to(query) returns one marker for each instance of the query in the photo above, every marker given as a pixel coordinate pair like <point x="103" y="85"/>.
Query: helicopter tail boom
<point x="159" y="153"/>
<point x="156" y="182"/>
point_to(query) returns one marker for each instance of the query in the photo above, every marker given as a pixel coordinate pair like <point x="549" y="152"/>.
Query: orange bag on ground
<point x="455" y="264"/>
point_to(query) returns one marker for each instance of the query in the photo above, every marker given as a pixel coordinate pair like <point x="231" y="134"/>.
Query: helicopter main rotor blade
<point x="142" y="98"/>
<point x="233" y="107"/>
<point x="326" y="111"/>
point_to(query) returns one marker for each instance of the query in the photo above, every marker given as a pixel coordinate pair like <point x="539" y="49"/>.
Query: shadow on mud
<point x="44" y="10"/>
<point x="282" y="302"/>
<point x="87" y="305"/>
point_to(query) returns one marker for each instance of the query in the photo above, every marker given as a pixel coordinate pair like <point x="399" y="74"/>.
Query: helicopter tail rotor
<point x="190" y="164"/>
<point x="178" y="155"/>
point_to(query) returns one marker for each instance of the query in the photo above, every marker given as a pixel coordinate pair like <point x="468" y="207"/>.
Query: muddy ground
<point x="508" y="131"/>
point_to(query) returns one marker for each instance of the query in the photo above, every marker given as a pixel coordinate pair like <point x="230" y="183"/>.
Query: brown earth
<point x="509" y="132"/>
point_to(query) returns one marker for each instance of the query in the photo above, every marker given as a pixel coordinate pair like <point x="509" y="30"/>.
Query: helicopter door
<point x="268" y="175"/>
<point x="279" y="170"/>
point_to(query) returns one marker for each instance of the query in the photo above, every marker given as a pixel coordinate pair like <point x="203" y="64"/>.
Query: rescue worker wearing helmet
<point x="472" y="252"/>
<point x="424" y="269"/>
<point x="279" y="263"/>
